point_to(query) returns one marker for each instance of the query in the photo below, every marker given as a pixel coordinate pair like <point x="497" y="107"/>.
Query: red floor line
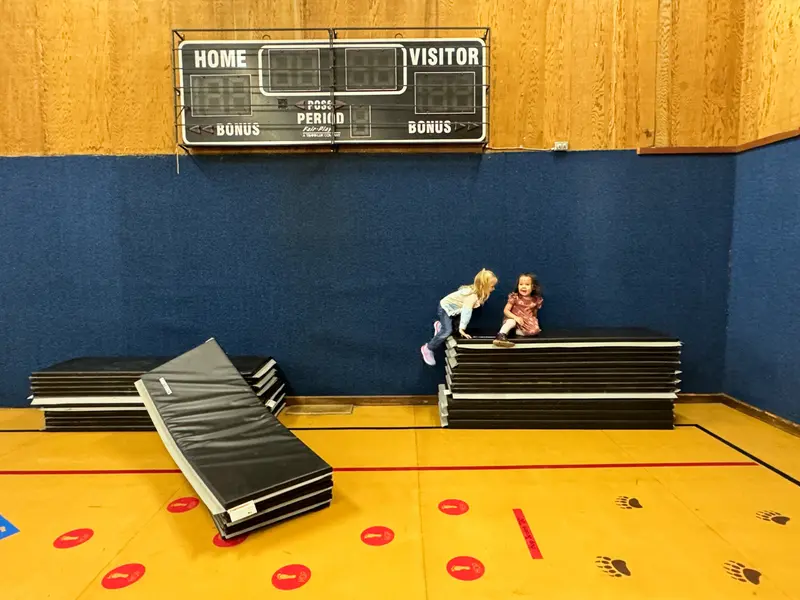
<point x="93" y="472"/>
<point x="545" y="466"/>
<point x="413" y="468"/>
<point x="527" y="534"/>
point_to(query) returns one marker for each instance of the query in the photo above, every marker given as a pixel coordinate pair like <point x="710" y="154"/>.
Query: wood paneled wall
<point x="770" y="88"/>
<point x="93" y="76"/>
<point x="698" y="82"/>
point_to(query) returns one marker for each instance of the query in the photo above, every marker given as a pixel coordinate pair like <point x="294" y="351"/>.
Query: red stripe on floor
<point x="93" y="472"/>
<point x="555" y="466"/>
<point x="416" y="468"/>
<point x="527" y="534"/>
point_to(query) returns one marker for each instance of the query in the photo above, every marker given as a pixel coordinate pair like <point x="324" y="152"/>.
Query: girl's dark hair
<point x="536" y="288"/>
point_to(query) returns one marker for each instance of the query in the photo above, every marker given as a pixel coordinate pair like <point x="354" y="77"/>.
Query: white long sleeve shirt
<point x="456" y="303"/>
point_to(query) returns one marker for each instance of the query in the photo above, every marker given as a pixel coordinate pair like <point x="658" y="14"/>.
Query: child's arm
<point x="507" y="312"/>
<point x="466" y="314"/>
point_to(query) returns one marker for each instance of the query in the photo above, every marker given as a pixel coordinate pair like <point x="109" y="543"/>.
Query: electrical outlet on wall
<point x="561" y="146"/>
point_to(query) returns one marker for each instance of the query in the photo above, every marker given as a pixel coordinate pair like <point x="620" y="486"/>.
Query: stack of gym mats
<point x="586" y="379"/>
<point x="98" y="393"/>
<point x="249" y="470"/>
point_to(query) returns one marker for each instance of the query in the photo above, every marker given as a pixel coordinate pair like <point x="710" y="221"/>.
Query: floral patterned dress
<point x="526" y="307"/>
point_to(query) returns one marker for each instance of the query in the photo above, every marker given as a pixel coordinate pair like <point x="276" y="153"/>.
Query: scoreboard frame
<point x="443" y="120"/>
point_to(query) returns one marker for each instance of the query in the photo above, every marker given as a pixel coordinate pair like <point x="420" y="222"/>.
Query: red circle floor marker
<point x="218" y="541"/>
<point x="73" y="538"/>
<point x="377" y="536"/>
<point x="123" y="576"/>
<point x="291" y="577"/>
<point x="453" y="507"/>
<point x="465" y="568"/>
<point x="182" y="505"/>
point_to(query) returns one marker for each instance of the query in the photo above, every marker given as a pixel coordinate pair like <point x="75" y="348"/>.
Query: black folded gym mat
<point x="589" y="337"/>
<point x="106" y="385"/>
<point x="248" y="469"/>
<point x="577" y="379"/>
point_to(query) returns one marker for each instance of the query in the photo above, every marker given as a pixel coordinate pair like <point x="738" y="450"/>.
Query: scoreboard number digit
<point x="370" y="69"/>
<point x="304" y="92"/>
<point x="293" y="70"/>
<point x="220" y="96"/>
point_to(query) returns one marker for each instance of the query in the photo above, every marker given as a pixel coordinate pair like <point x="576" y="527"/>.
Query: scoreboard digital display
<point x="300" y="92"/>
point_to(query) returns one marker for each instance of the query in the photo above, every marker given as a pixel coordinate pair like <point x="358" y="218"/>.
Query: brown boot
<point x="501" y="339"/>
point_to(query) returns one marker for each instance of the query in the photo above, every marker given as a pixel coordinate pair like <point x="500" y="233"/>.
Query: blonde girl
<point x="460" y="302"/>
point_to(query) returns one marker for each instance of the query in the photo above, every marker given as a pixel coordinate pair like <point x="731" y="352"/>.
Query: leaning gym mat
<point x="249" y="470"/>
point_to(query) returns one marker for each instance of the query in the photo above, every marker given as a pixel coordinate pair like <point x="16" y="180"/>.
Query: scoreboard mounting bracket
<point x="330" y="87"/>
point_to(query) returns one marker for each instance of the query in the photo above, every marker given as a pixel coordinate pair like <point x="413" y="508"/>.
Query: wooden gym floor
<point x="420" y="512"/>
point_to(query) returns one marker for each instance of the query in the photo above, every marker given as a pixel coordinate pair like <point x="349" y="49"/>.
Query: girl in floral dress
<point x="521" y="310"/>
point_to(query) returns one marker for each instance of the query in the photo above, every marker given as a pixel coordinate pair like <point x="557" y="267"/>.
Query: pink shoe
<point x="427" y="355"/>
<point x="436" y="328"/>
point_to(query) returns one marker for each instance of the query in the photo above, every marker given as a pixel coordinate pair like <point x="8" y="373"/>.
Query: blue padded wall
<point x="763" y="340"/>
<point x="334" y="263"/>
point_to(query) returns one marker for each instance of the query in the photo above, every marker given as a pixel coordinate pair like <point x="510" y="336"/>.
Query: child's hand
<point x="465" y="334"/>
<point x="520" y="321"/>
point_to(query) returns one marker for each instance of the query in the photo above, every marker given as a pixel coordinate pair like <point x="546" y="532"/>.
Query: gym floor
<point x="708" y="510"/>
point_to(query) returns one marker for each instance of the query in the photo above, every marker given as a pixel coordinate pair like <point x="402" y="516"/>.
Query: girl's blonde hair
<point x="482" y="284"/>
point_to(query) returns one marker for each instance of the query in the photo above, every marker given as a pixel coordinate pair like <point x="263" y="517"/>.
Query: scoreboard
<point x="300" y="92"/>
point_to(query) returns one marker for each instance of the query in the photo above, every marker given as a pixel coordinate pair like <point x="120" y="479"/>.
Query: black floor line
<point x="411" y="427"/>
<point x="763" y="463"/>
<point x="22" y="431"/>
